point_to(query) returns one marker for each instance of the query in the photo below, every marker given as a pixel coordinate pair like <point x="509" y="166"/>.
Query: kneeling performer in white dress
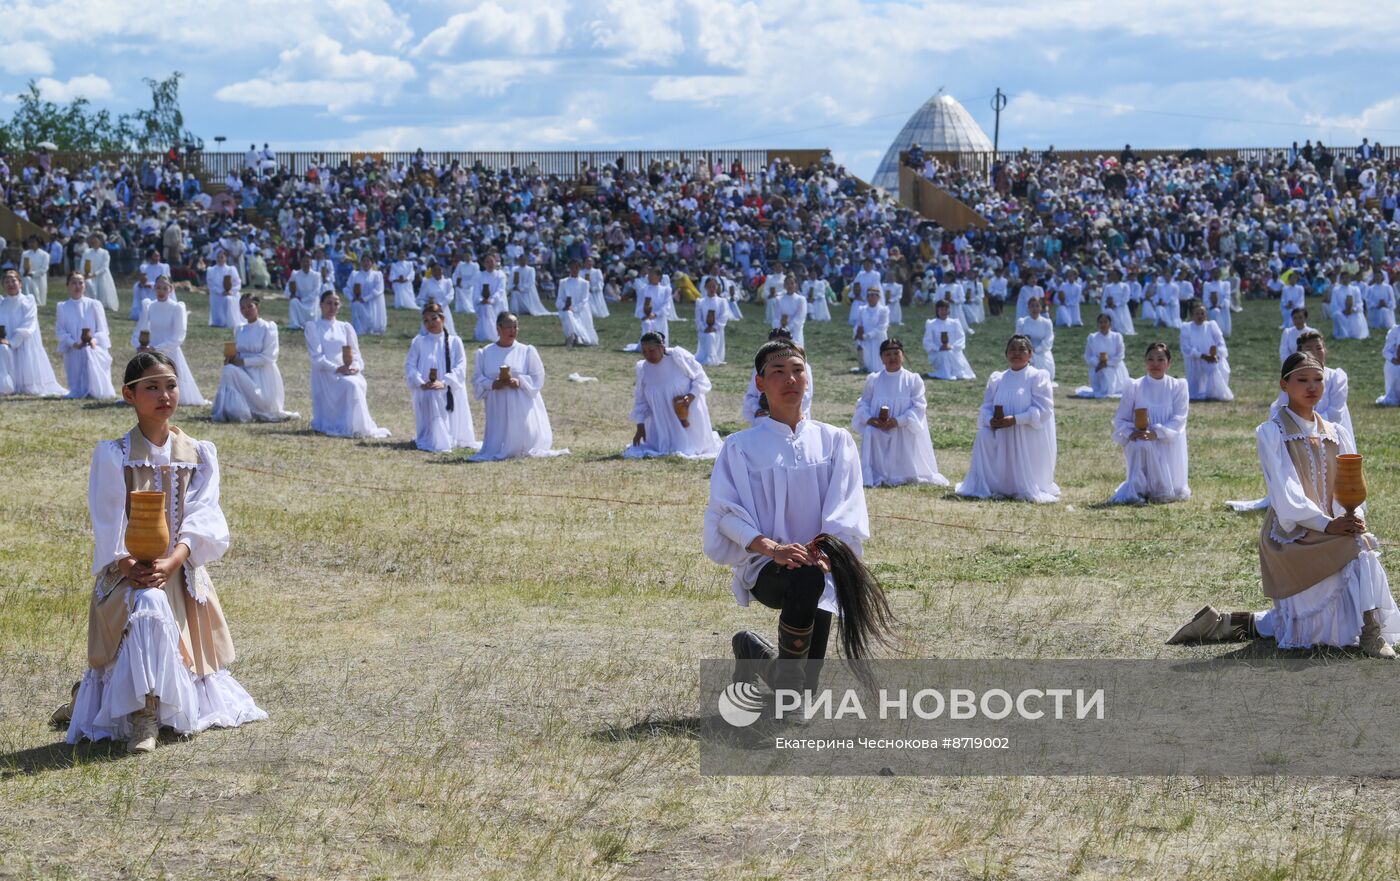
<point x="339" y="393"/>
<point x="250" y="386"/>
<point x="669" y="406"/>
<point x="436" y="373"/>
<point x="1150" y="426"/>
<point x="892" y="420"/>
<point x="509" y="377"/>
<point x="1317" y="560"/>
<point x="1013" y="453"/>
<point x="158" y="644"/>
<point x="162" y="328"/>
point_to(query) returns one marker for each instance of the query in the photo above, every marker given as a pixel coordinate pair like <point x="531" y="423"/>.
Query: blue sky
<point x="844" y="74"/>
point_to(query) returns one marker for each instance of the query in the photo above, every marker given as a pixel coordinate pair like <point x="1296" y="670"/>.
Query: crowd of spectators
<point x="683" y="216"/>
<point x="1192" y="215"/>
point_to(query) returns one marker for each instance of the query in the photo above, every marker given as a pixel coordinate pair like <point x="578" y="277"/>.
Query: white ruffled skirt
<point x="149" y="662"/>
<point x="1329" y="612"/>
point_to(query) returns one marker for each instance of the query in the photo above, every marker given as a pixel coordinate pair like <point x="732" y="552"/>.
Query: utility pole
<point x="998" y="105"/>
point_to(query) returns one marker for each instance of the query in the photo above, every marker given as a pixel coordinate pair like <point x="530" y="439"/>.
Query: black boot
<point x="752" y="654"/>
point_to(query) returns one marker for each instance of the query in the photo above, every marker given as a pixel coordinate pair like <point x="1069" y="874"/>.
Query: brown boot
<point x="1372" y="642"/>
<point x="1211" y="625"/>
<point x="145" y="727"/>
<point x="64" y="714"/>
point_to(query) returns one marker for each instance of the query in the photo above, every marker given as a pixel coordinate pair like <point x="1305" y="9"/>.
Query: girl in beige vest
<point x="1318" y="564"/>
<point x="158" y="645"/>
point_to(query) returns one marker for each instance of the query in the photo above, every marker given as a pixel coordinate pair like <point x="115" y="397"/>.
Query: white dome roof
<point x="941" y="125"/>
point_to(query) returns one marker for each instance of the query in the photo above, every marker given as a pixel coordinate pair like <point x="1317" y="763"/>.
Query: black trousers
<point x="795" y="593"/>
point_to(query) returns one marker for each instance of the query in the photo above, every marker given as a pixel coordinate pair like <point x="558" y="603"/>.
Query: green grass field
<point x="486" y="671"/>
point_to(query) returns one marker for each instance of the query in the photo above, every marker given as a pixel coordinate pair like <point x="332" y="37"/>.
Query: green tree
<point x="78" y="127"/>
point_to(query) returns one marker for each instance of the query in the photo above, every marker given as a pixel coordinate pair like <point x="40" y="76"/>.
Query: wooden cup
<point x="147" y="531"/>
<point x="347" y="355"/>
<point x="1350" y="491"/>
<point x="144" y="338"/>
<point x="884" y="414"/>
<point x="292" y="286"/>
<point x="682" y="412"/>
<point x="1140" y="418"/>
<point x="568" y="304"/>
<point x="86" y="336"/>
<point x="357" y="290"/>
<point x="432" y="374"/>
<point x="228" y="284"/>
<point x="504" y="375"/>
<point x="87" y="267"/>
<point x="998" y="412"/>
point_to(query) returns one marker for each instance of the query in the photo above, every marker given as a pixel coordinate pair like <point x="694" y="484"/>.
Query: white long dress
<point x="97" y="266"/>
<point x="1391" y="370"/>
<point x="1069" y="297"/>
<point x="709" y="345"/>
<point x="88" y="370"/>
<point x="144" y="288"/>
<point x="818" y="307"/>
<point x="1292" y="297"/>
<point x="1380" y="306"/>
<point x="1016" y="462"/>
<point x="438" y="429"/>
<point x="874" y="322"/>
<point x="793" y="308"/>
<point x="490" y="301"/>
<point x="34" y="272"/>
<point x="1042" y="333"/>
<point x="893" y="297"/>
<point x="401" y="275"/>
<point x="223" y="307"/>
<point x="1217" y="301"/>
<point x="904" y="454"/>
<point x="24" y="365"/>
<point x="440" y="291"/>
<point x="951" y="363"/>
<point x="1024" y="296"/>
<point x="752" y="397"/>
<point x="1330" y="611"/>
<point x="304" y="299"/>
<point x="1349" y="326"/>
<point x="595" y="293"/>
<point x="516" y="421"/>
<point x="1156" y="469"/>
<point x="573" y="301"/>
<point x="787" y="485"/>
<point x="1208" y="382"/>
<point x="339" y="402"/>
<point x="253" y="391"/>
<point x="167" y="323"/>
<point x="464" y="276"/>
<point x="657" y="386"/>
<point x="154" y="654"/>
<point x="1117" y="293"/>
<point x="525" y="292"/>
<point x="660" y="298"/>
<point x="1110" y="381"/>
<point x="973" y="312"/>
<point x="368" y="314"/>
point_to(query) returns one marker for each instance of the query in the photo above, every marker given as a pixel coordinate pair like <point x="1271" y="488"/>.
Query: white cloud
<point x="22" y="58"/>
<point x="488" y="79"/>
<point x="90" y="86"/>
<point x="639" y="31"/>
<point x="706" y="91"/>
<point x="319" y="72"/>
<point x="527" y="28"/>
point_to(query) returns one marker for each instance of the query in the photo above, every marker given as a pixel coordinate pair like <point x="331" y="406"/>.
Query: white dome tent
<point x="941" y="125"/>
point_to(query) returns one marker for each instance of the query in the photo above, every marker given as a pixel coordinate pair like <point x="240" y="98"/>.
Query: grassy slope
<point x="469" y="676"/>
